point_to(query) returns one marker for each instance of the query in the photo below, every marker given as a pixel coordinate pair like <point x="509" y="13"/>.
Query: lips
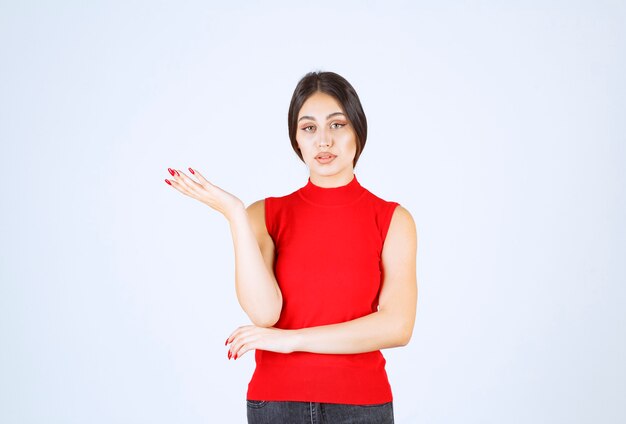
<point x="325" y="156"/>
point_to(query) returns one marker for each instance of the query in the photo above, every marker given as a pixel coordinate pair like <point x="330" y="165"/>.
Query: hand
<point x="202" y="190"/>
<point x="251" y="337"/>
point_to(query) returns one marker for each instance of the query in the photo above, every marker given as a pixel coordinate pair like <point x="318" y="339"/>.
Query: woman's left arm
<point x="390" y="326"/>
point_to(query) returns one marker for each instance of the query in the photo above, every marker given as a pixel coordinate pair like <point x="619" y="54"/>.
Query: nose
<point x="325" y="139"/>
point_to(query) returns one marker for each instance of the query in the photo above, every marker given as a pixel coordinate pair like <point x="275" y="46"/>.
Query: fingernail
<point x="226" y="342"/>
<point x="229" y="354"/>
<point x="168" y="181"/>
<point x="191" y="170"/>
<point x="235" y="356"/>
<point x="171" y="172"/>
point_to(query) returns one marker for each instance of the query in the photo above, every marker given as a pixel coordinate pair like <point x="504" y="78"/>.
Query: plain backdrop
<point x="499" y="126"/>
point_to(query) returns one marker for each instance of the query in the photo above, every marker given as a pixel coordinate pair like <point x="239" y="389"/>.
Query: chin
<point x="325" y="170"/>
<point x="328" y="172"/>
<point x="330" y="169"/>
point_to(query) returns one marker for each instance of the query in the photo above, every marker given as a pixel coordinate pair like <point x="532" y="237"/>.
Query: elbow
<point x="399" y="329"/>
<point x="263" y="324"/>
<point x="403" y="336"/>
<point x="263" y="314"/>
<point x="265" y="321"/>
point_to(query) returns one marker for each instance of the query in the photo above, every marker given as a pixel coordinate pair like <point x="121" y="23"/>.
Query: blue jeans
<point x="273" y="412"/>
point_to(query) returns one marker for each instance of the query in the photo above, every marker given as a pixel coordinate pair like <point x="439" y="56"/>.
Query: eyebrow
<point x="313" y="119"/>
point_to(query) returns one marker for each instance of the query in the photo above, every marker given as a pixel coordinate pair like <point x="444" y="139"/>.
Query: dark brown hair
<point x="338" y="87"/>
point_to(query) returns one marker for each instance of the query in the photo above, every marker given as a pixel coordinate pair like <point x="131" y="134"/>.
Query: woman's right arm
<point x="255" y="284"/>
<point x="257" y="290"/>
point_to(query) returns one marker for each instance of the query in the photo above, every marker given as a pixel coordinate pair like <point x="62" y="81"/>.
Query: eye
<point x="309" y="128"/>
<point x="337" y="125"/>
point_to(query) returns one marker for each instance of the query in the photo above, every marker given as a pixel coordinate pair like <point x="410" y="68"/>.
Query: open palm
<point x="207" y="193"/>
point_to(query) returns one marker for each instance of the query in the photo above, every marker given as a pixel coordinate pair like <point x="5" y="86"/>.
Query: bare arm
<point x="391" y="326"/>
<point x="256" y="287"/>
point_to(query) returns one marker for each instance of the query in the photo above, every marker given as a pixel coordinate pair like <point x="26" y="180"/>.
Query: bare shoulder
<point x="402" y="222"/>
<point x="256" y="216"/>
<point x="401" y="240"/>
<point x="257" y="208"/>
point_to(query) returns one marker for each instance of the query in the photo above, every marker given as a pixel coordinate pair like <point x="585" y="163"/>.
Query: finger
<point x="178" y="186"/>
<point x="242" y="350"/>
<point x="241" y="340"/>
<point x="189" y="183"/>
<point x="175" y="176"/>
<point x="237" y="333"/>
<point x="245" y="347"/>
<point x="184" y="178"/>
<point x="199" y="176"/>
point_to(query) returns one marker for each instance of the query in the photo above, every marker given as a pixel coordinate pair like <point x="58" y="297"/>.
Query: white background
<point x="499" y="125"/>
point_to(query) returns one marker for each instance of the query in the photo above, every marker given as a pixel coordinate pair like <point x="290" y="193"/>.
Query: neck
<point x="332" y="196"/>
<point x="330" y="181"/>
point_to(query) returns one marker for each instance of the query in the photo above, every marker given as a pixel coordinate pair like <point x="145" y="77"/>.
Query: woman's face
<point x="326" y="140"/>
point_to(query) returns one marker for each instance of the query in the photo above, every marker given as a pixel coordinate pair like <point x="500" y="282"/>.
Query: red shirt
<point x="328" y="266"/>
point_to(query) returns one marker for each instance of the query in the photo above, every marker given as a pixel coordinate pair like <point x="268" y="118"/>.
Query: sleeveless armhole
<point x="386" y="221"/>
<point x="268" y="217"/>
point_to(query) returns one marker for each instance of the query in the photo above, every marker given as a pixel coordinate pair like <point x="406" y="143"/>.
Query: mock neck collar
<point x="332" y="196"/>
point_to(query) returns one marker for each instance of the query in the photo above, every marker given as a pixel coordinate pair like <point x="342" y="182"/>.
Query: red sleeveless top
<point x="328" y="266"/>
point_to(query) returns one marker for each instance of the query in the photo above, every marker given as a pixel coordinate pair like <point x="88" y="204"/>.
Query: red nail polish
<point x="229" y="354"/>
<point x="235" y="356"/>
<point x="171" y="172"/>
<point x="168" y="181"/>
<point x="226" y="342"/>
<point x="191" y="170"/>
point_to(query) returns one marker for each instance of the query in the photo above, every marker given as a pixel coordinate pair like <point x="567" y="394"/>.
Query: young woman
<point x="327" y="274"/>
